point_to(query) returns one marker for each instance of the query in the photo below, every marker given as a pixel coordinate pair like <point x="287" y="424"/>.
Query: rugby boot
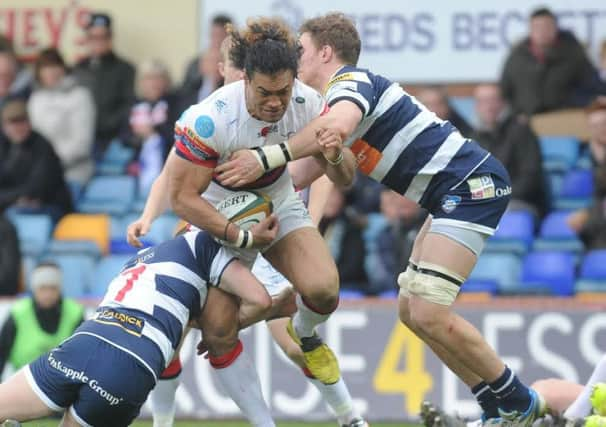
<point x="319" y="358"/>
<point x="434" y="416"/>
<point x="10" y="423"/>
<point x="536" y="410"/>
<point x="595" y="421"/>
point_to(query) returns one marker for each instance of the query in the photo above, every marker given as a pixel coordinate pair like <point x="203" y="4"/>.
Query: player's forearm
<point x="158" y="201"/>
<point x="343" y="173"/>
<point x="318" y="195"/>
<point x="189" y="206"/>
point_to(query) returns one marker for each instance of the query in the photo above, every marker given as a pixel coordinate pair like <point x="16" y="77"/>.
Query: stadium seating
<point x="77" y="272"/>
<point x="78" y="233"/>
<point x="555" y="234"/>
<point x="592" y="277"/>
<point x="576" y="190"/>
<point x="547" y="272"/>
<point x="514" y="235"/>
<point x="115" y="159"/>
<point x="559" y="153"/>
<point x="108" y="194"/>
<point x="105" y="271"/>
<point x="34" y="231"/>
<point x="494" y="272"/>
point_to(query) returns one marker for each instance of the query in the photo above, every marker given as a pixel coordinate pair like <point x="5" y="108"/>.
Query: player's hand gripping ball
<point x="246" y="208"/>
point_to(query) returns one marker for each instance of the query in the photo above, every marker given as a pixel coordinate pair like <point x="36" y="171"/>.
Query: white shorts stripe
<point x="78" y="418"/>
<point x="438" y="162"/>
<point x="38" y="391"/>
<point x="464" y="225"/>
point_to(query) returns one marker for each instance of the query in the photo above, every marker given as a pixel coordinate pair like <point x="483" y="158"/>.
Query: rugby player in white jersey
<point x="401" y="144"/>
<point x="336" y="395"/>
<point x="103" y="373"/>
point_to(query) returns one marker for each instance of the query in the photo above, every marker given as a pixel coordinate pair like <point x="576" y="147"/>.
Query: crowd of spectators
<point x="57" y="122"/>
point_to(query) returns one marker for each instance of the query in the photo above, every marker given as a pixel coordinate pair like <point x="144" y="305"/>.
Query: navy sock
<point x="487" y="400"/>
<point x="512" y="395"/>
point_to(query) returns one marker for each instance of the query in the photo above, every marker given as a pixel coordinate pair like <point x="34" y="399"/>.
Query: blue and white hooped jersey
<point x="399" y="142"/>
<point x="149" y="304"/>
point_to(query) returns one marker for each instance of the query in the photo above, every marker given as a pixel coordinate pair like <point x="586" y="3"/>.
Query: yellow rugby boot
<point x="319" y="358"/>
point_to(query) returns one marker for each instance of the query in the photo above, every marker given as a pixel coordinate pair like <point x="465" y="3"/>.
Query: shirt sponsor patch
<point x="450" y="203"/>
<point x="131" y="324"/>
<point x="205" y="127"/>
<point x="481" y="187"/>
<point x="367" y="157"/>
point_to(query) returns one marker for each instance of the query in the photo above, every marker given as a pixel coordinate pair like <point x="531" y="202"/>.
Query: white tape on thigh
<point x="404" y="280"/>
<point x="435" y="289"/>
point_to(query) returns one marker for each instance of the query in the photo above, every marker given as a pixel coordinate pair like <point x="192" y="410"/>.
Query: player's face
<point x="309" y="62"/>
<point x="267" y="96"/>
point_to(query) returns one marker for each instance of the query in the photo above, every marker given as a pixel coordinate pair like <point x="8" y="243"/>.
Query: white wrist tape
<point x="245" y="239"/>
<point x="273" y="156"/>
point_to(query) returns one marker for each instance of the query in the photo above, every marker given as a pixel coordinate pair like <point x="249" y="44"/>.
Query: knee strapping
<point x="406" y="277"/>
<point x="435" y="284"/>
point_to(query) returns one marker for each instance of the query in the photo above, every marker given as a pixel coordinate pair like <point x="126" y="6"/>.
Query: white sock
<point x="239" y="378"/>
<point x="305" y="320"/>
<point x="338" y="399"/>
<point x="581" y="407"/>
<point x="163" y="402"/>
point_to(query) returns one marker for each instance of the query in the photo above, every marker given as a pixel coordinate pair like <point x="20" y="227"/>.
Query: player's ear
<point x="326" y="53"/>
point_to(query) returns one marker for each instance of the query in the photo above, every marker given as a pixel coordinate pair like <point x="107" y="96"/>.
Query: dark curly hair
<point x="265" y="46"/>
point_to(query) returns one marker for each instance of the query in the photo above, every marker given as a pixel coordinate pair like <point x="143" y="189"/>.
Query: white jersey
<point x="207" y="133"/>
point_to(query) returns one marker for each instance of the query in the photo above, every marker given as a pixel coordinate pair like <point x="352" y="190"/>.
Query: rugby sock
<point x="487" y="400"/>
<point x="337" y="397"/>
<point x="307" y="318"/>
<point x="239" y="378"/>
<point x="512" y="395"/>
<point x="162" y="397"/>
<point x="581" y="407"/>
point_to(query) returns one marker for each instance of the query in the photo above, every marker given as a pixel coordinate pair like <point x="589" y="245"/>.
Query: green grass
<point x="54" y="423"/>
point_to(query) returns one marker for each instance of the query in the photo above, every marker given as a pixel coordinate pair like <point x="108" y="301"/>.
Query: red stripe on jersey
<point x="184" y="152"/>
<point x="220" y="362"/>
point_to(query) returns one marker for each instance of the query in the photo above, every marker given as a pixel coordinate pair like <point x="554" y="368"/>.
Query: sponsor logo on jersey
<point x="131" y="324"/>
<point x="267" y="130"/>
<point x="501" y="192"/>
<point x="367" y="157"/>
<point x="481" y="187"/>
<point x="450" y="203"/>
<point x="300" y="100"/>
<point x="204" y="126"/>
<point x="81" y="376"/>
<point x="356" y="76"/>
<point x="220" y="105"/>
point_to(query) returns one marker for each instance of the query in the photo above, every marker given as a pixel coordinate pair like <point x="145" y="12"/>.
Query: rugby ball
<point x="246" y="208"/>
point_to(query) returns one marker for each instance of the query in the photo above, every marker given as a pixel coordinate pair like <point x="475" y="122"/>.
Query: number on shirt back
<point x="132" y="274"/>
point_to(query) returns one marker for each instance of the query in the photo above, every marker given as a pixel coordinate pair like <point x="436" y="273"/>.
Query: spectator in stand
<point x="202" y="76"/>
<point x="511" y="140"/>
<point x="436" y="100"/>
<point x="10" y="259"/>
<point x="152" y="120"/>
<point x="110" y="79"/>
<point x="38" y="324"/>
<point x="31" y="176"/>
<point x="389" y="238"/>
<point x="590" y="223"/>
<point x="63" y="112"/>
<point x="548" y="70"/>
<point x="344" y="238"/>
<point x="15" y="80"/>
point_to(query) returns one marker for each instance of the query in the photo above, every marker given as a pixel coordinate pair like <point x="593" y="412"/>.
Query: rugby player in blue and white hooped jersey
<point x="401" y="144"/>
<point x="103" y="373"/>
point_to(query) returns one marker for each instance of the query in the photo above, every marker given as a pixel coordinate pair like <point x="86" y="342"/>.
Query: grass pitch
<point x="54" y="423"/>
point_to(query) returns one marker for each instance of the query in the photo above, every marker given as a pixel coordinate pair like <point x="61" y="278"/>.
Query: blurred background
<point x="90" y="90"/>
